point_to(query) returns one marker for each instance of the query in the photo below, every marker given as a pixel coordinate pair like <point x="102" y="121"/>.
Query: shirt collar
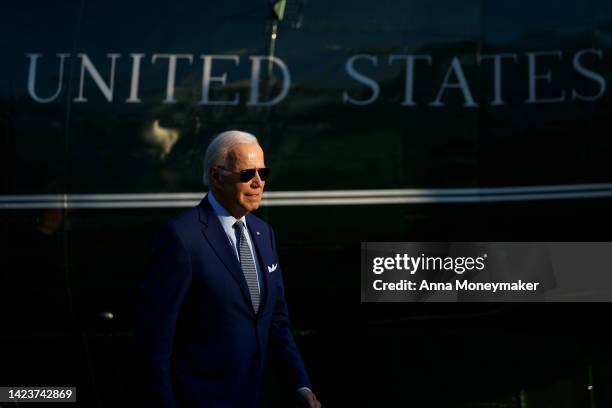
<point x="227" y="219"/>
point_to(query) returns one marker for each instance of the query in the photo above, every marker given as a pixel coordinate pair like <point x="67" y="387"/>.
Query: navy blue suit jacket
<point x="196" y="330"/>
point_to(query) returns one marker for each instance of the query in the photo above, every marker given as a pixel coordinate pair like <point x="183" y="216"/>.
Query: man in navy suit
<point x="213" y="311"/>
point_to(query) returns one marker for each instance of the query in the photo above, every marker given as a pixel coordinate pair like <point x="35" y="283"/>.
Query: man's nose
<point x="257" y="181"/>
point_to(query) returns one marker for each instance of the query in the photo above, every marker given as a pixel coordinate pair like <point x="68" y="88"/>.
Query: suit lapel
<point x="216" y="237"/>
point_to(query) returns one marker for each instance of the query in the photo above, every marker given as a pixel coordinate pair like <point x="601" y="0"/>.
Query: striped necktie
<point x="247" y="264"/>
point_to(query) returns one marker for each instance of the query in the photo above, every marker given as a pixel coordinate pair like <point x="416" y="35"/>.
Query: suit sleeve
<point x="283" y="349"/>
<point x="162" y="294"/>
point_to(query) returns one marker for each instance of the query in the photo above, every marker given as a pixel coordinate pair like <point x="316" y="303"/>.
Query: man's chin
<point x="251" y="206"/>
<point x="254" y="206"/>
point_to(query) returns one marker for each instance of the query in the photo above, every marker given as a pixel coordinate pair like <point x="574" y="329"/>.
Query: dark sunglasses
<point x="248" y="174"/>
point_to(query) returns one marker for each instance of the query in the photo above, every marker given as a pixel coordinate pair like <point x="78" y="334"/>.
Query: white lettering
<point x="497" y="74"/>
<point x="461" y="83"/>
<point x="135" y="78"/>
<point x="207" y="78"/>
<point x="106" y="89"/>
<point x="32" y="78"/>
<point x="373" y="85"/>
<point x="409" y="86"/>
<point x="255" y="76"/>
<point x="171" y="79"/>
<point x="592" y="75"/>
<point x="533" y="77"/>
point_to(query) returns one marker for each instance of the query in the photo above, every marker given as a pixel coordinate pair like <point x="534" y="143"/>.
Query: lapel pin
<point x="257" y="232"/>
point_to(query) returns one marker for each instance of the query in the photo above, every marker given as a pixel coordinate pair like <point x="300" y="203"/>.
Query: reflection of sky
<point x="210" y="27"/>
<point x="506" y="21"/>
<point x="332" y="31"/>
<point x="178" y="27"/>
<point x="329" y="30"/>
<point x="27" y="28"/>
<point x="324" y="63"/>
<point x="494" y="20"/>
<point x="441" y="17"/>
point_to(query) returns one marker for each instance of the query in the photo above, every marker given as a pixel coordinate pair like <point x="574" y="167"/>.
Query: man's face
<point x="237" y="197"/>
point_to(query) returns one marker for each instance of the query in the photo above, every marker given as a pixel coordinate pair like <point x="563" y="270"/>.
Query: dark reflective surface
<point x="69" y="275"/>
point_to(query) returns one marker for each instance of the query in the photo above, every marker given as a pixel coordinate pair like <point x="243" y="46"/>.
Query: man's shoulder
<point x="184" y="224"/>
<point x="257" y="222"/>
<point x="186" y="219"/>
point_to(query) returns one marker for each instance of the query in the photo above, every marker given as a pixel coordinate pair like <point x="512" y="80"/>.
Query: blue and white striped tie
<point x="247" y="264"/>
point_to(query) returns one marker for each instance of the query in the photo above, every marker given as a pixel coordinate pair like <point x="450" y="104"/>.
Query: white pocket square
<point x="272" y="268"/>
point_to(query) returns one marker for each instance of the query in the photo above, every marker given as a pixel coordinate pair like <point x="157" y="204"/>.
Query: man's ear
<point x="214" y="175"/>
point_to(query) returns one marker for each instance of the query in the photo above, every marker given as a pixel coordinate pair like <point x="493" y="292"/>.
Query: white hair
<point x="217" y="150"/>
